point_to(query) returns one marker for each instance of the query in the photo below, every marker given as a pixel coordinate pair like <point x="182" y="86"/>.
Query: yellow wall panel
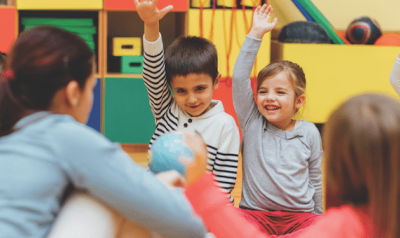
<point x="341" y="12"/>
<point x="336" y="72"/>
<point x="67" y="5"/>
<point x="198" y="3"/>
<point x="221" y="36"/>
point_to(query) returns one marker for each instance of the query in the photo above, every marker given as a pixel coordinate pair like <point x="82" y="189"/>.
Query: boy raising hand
<point x="191" y="70"/>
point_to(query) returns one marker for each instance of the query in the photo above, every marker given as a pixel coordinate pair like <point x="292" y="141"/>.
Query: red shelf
<point x="8" y="18"/>
<point x="124" y="5"/>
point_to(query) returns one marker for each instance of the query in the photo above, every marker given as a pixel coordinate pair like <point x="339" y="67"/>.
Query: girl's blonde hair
<point x="293" y="71"/>
<point x="362" y="150"/>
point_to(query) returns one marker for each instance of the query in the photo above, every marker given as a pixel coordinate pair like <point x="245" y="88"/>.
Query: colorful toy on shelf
<point x="167" y="151"/>
<point x="127" y="46"/>
<point x="132" y="64"/>
<point x="319" y="18"/>
<point x="389" y="39"/>
<point x="363" y="30"/>
<point x="304" y="32"/>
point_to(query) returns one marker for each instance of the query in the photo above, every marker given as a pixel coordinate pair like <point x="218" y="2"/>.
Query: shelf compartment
<point x="94" y="120"/>
<point x="129" y="24"/>
<point x="127" y="113"/>
<point x="85" y="24"/>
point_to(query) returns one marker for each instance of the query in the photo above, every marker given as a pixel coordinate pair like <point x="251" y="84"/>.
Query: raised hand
<point x="148" y="12"/>
<point x="261" y="21"/>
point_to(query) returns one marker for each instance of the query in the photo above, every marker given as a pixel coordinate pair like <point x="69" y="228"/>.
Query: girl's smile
<point x="276" y="101"/>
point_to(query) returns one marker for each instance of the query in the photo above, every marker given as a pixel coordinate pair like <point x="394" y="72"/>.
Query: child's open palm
<point x="148" y="12"/>
<point x="261" y="21"/>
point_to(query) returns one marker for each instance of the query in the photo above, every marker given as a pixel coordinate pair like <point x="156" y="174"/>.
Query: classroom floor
<point x="140" y="157"/>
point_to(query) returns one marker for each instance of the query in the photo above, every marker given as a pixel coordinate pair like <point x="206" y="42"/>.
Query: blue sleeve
<point x="102" y="168"/>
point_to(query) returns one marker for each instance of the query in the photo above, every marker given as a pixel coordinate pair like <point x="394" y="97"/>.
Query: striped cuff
<point x="153" y="48"/>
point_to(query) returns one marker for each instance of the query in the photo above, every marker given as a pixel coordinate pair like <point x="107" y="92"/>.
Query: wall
<point x="341" y="12"/>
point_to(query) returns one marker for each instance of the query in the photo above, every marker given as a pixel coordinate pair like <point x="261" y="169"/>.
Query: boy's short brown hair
<point x="191" y="55"/>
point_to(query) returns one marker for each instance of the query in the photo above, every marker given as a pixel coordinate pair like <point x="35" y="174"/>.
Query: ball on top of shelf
<point x="167" y="152"/>
<point x="303" y="32"/>
<point x="389" y="39"/>
<point x="363" y="30"/>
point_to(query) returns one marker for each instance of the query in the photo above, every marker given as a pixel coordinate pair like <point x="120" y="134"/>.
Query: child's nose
<point x="271" y="97"/>
<point x="192" y="98"/>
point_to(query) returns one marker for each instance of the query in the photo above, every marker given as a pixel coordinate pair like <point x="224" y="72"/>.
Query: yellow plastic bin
<point x="127" y="46"/>
<point x="60" y="5"/>
<point x="336" y="72"/>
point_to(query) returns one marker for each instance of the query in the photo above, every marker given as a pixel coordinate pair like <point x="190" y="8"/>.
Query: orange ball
<point x="342" y="36"/>
<point x="389" y="39"/>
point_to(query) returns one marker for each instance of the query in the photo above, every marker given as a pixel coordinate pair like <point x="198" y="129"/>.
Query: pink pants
<point x="278" y="222"/>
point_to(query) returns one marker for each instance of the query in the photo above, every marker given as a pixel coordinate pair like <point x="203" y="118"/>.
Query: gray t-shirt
<point x="281" y="169"/>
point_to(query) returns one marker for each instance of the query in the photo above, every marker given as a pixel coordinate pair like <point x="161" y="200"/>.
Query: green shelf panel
<point x="57" y="21"/>
<point x="86" y="37"/>
<point x="74" y="29"/>
<point x="127" y="113"/>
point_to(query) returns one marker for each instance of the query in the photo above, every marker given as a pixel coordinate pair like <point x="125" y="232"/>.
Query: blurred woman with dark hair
<point x="46" y="94"/>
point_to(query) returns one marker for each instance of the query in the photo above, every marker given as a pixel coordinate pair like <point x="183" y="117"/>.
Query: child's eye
<point x="200" y="88"/>
<point x="262" y="92"/>
<point x="280" y="92"/>
<point x="180" y="91"/>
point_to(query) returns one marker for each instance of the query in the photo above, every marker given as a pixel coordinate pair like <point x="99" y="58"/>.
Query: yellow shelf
<point x="60" y="5"/>
<point x="336" y="72"/>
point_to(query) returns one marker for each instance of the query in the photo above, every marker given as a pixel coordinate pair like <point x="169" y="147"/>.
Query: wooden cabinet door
<point x="127" y="113"/>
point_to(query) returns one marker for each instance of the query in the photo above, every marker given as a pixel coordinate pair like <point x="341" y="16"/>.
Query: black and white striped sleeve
<point x="154" y="77"/>
<point x="224" y="166"/>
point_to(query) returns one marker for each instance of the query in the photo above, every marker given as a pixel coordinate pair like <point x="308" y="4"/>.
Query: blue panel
<point x="95" y="115"/>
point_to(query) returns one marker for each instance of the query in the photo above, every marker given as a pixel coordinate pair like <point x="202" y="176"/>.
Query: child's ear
<point x="300" y="101"/>
<point x="72" y="93"/>
<point x="216" y="81"/>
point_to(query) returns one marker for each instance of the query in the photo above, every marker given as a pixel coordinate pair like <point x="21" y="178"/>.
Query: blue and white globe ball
<point x="166" y="151"/>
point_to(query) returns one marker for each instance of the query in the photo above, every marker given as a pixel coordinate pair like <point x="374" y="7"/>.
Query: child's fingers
<point x="136" y="2"/>
<point x="165" y="10"/>
<point x="274" y="22"/>
<point x="263" y="8"/>
<point x="269" y="9"/>
<point x="257" y="11"/>
<point x="268" y="17"/>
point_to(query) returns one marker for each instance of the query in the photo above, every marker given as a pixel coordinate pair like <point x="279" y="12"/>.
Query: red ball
<point x="390" y="39"/>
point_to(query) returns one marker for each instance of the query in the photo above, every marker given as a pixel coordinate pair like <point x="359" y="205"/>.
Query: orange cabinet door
<point x="179" y="5"/>
<point x="8" y="28"/>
